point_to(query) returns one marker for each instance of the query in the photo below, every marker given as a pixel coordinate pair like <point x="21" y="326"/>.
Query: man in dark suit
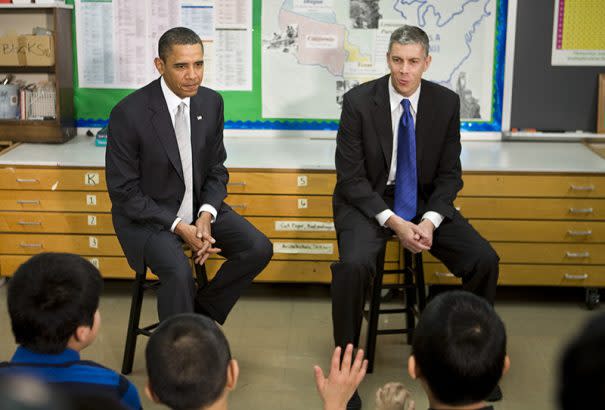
<point x="167" y="183"/>
<point x="398" y="173"/>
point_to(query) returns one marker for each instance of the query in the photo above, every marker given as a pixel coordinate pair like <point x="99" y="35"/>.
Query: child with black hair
<point x="581" y="374"/>
<point x="53" y="301"/>
<point x="459" y="351"/>
<point x="189" y="366"/>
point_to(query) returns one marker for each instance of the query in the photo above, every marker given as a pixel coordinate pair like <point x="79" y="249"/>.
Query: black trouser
<point x="456" y="243"/>
<point x="247" y="251"/>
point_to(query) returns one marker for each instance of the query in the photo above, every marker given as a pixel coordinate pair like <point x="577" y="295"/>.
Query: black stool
<point x="413" y="286"/>
<point x="141" y="284"/>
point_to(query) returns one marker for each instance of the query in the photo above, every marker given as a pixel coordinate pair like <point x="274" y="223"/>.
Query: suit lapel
<point x="163" y="127"/>
<point x="424" y="119"/>
<point x="382" y="119"/>
<point x="198" y="119"/>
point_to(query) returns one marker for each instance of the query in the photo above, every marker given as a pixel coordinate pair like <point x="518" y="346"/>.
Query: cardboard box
<point x="9" y="47"/>
<point x="36" y="50"/>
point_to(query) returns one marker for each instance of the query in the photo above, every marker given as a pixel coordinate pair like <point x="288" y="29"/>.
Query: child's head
<point x="189" y="363"/>
<point x="53" y="301"/>
<point x="459" y="349"/>
<point x="581" y="375"/>
<point x="394" y="396"/>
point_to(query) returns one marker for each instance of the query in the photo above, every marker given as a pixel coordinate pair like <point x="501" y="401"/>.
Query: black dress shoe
<point x="495" y="395"/>
<point x="355" y="402"/>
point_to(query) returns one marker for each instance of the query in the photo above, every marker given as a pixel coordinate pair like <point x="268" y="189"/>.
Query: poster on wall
<point x="578" y="33"/>
<point x="331" y="46"/>
<point x="117" y="40"/>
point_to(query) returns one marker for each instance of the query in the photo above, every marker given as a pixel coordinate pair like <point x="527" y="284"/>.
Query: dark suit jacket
<point x="143" y="166"/>
<point x="364" y="146"/>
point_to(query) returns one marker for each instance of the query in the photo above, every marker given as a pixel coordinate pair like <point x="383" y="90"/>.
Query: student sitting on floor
<point x="189" y="366"/>
<point x="458" y="351"/>
<point x="582" y="368"/>
<point x="53" y="301"/>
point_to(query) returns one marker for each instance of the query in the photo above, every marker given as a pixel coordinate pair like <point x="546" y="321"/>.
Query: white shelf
<point x="550" y="136"/>
<point x="318" y="154"/>
<point x="37" y="6"/>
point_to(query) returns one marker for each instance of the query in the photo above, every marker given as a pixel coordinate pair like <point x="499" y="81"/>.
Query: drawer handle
<point x="569" y="276"/>
<point x="579" y="233"/>
<point x="581" y="187"/>
<point x="28" y="223"/>
<point x="239" y="206"/>
<point x="577" y="255"/>
<point x="580" y="210"/>
<point x="444" y="274"/>
<point x="28" y="201"/>
<point x="236" y="184"/>
<point x="30" y="245"/>
<point x="27" y="180"/>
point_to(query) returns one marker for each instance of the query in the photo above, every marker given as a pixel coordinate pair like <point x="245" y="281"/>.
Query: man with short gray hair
<point x="398" y="173"/>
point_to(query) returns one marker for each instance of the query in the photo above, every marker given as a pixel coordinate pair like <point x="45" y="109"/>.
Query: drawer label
<point x="91" y="178"/>
<point x="95" y="262"/>
<point x="310" y="226"/>
<point x="302" y="203"/>
<point x="301" y="180"/>
<point x="91" y="200"/>
<point x="92" y="220"/>
<point x="303" y="247"/>
<point x="93" y="242"/>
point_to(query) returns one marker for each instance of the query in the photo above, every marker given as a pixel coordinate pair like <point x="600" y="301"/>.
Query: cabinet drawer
<point x="49" y="222"/>
<point x="531" y="208"/>
<point x="306" y="249"/>
<point x="110" y="267"/>
<point x="541" y="231"/>
<point x="294" y="271"/>
<point x="296" y="183"/>
<point x="281" y="205"/>
<point x="276" y="271"/>
<point x="548" y="253"/>
<point x="53" y="179"/>
<point x="285" y="227"/>
<point x="528" y="185"/>
<point x="527" y="275"/>
<point x="106" y="245"/>
<point x="54" y="201"/>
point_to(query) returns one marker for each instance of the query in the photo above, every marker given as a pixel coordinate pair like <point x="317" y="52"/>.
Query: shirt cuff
<point x="175" y="223"/>
<point x="435" y="217"/>
<point x="208" y="208"/>
<point x="383" y="216"/>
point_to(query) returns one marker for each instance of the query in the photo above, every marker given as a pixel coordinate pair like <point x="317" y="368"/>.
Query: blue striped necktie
<point x="406" y="180"/>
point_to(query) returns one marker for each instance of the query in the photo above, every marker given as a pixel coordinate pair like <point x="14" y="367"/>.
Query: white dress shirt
<point x="396" y="112"/>
<point x="173" y="101"/>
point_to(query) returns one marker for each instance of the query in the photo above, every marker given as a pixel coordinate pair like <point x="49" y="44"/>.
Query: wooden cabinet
<point x="547" y="229"/>
<point x="294" y="209"/>
<point x="58" y="18"/>
<point x="50" y="209"/>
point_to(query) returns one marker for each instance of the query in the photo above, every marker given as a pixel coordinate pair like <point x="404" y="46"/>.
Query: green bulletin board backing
<point x="242" y="108"/>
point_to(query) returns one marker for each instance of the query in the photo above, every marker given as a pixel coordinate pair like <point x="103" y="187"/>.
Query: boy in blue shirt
<point x="53" y="301"/>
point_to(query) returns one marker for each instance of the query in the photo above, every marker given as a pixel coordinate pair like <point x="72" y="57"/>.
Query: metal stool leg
<point x="410" y="295"/>
<point x="374" y="312"/>
<point x="420" y="286"/>
<point x="133" y="323"/>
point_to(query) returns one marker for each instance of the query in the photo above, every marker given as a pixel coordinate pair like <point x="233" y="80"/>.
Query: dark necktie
<point x="406" y="181"/>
